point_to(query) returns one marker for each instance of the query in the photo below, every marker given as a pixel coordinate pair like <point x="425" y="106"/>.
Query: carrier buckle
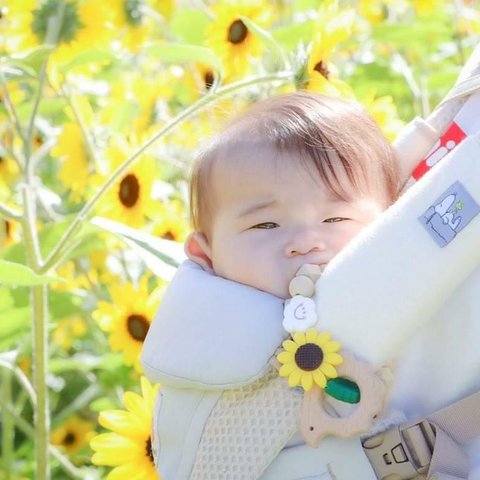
<point x="401" y="453"/>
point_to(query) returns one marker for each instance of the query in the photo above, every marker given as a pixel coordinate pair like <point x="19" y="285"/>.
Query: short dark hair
<point x="325" y="132"/>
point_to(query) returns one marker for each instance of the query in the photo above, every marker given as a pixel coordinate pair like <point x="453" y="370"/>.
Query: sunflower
<point x="127" y="318"/>
<point x="171" y="223"/>
<point x="333" y="29"/>
<point x="85" y="25"/>
<point x="229" y="37"/>
<point x="384" y="112"/>
<point x="206" y="76"/>
<point x="9" y="232"/>
<point x="17" y="18"/>
<point x="375" y="11"/>
<point x="8" y="168"/>
<point x="73" y="434"/>
<point x="67" y="330"/>
<point x="309" y="358"/>
<point x="74" y="171"/>
<point x="128" y="447"/>
<point x="130" y="199"/>
<point x="132" y="21"/>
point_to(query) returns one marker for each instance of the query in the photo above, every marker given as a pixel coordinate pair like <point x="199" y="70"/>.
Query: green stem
<point x="89" y="144"/>
<point x="22" y="379"/>
<point x="54" y="255"/>
<point x="40" y="346"/>
<point x="67" y="466"/>
<point x="42" y="413"/>
<point x="8" y="431"/>
<point x="53" y="30"/>
<point x="29" y="229"/>
<point x="12" y="112"/>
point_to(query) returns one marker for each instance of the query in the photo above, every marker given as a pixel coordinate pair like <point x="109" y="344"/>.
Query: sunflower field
<point x="102" y="107"/>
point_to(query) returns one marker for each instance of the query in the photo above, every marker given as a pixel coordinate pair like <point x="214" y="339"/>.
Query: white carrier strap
<point x="400" y="248"/>
<point x="430" y="448"/>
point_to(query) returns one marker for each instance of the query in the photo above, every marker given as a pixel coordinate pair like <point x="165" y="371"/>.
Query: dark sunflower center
<point x="208" y="78"/>
<point x="69" y="439"/>
<point x="321" y="68"/>
<point x="133" y="12"/>
<point x="237" y="32"/>
<point x="38" y="140"/>
<point x="7" y="228"/>
<point x="129" y="190"/>
<point x="168" y="235"/>
<point x="309" y="357"/>
<point x="70" y="21"/>
<point x="148" y="447"/>
<point x="137" y="326"/>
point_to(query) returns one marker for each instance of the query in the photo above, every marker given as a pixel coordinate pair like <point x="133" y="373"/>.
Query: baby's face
<point x="266" y="226"/>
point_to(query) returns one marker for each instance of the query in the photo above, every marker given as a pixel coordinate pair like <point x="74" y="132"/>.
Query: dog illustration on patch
<point x="449" y="214"/>
<point x="444" y="218"/>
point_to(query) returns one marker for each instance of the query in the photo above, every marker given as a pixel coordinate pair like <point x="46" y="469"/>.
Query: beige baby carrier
<point x="237" y="419"/>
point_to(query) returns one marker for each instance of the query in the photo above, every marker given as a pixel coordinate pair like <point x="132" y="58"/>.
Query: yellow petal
<point x="333" y="359"/>
<point x="123" y="423"/>
<point x="295" y="378"/>
<point x="134" y="403"/>
<point x="286" y="370"/>
<point x="311" y="335"/>
<point x="328" y="370"/>
<point x="299" y="338"/>
<point x="331" y="347"/>
<point x="307" y="381"/>
<point x="290" y="346"/>
<point x="319" y="378"/>
<point x="323" y="339"/>
<point x="285" y="357"/>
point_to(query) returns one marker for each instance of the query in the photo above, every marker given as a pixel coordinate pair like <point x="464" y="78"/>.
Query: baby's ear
<point x="198" y="250"/>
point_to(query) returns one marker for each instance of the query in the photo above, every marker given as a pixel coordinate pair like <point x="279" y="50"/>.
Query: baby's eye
<point x="266" y="225"/>
<point x="335" y="219"/>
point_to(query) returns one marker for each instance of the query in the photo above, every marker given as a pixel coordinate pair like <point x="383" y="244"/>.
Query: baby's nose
<point x="305" y="242"/>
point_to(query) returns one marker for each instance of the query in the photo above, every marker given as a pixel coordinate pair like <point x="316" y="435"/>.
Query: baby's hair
<point x="326" y="133"/>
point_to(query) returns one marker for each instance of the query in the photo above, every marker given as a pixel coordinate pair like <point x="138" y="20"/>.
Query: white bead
<point x="299" y="314"/>
<point x="301" y="285"/>
<point x="310" y="270"/>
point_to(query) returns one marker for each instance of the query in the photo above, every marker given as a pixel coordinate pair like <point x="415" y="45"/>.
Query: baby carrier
<point x="223" y="412"/>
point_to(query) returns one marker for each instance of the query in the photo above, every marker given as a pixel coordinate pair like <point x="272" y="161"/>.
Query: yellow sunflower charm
<point x="309" y="357"/>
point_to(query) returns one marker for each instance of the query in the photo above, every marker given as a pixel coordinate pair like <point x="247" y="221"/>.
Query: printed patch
<point x="449" y="214"/>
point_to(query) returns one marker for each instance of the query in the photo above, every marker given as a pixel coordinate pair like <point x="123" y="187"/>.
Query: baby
<point x="289" y="182"/>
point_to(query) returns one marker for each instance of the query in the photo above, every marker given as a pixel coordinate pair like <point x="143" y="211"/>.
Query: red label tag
<point x="447" y="142"/>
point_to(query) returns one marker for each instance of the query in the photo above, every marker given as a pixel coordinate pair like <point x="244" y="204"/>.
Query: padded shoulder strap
<point x="398" y="272"/>
<point x="212" y="333"/>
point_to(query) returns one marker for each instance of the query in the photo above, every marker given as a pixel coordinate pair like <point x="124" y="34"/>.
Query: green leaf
<point x="183" y="53"/>
<point x="87" y="57"/>
<point x="188" y="25"/>
<point x="32" y="60"/>
<point x="160" y="255"/>
<point x="291" y="36"/>
<point x="275" y="49"/>
<point x="49" y="237"/>
<point x="14" y="325"/>
<point x="16" y="274"/>
<point x="6" y="299"/>
<point x="64" y="304"/>
<point x="81" y="362"/>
